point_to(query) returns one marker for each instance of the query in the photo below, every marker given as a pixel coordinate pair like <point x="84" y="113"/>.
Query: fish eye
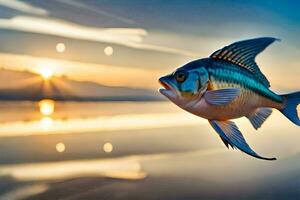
<point x="180" y="76"/>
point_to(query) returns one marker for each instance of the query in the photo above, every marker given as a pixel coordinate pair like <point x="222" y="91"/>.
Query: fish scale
<point x="235" y="75"/>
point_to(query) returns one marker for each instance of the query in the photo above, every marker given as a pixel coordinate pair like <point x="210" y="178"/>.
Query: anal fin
<point x="259" y="116"/>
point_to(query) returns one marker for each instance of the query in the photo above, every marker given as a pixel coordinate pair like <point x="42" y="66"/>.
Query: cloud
<point x="96" y="10"/>
<point x="72" y="30"/>
<point x="162" y="49"/>
<point x="23" y="7"/>
<point x="130" y="37"/>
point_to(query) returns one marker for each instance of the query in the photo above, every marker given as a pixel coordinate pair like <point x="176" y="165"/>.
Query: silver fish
<point x="229" y="85"/>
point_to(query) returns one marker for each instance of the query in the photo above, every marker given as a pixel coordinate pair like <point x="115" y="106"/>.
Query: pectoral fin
<point x="231" y="135"/>
<point x="259" y="116"/>
<point x="221" y="96"/>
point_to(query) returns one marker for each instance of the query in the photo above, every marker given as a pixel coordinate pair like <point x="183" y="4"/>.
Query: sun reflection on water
<point x="122" y="168"/>
<point x="108" y="123"/>
<point x="46" y="107"/>
<point x="46" y="122"/>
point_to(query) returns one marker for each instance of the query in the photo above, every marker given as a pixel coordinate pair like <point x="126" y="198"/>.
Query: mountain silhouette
<point x="24" y="85"/>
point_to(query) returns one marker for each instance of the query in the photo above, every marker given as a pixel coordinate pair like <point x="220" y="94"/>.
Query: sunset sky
<point x="132" y="43"/>
<point x="63" y="136"/>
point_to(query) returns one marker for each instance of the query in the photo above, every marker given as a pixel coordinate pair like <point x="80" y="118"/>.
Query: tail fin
<point x="290" y="107"/>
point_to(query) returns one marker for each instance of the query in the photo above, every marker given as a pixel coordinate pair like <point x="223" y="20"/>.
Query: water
<point x="138" y="150"/>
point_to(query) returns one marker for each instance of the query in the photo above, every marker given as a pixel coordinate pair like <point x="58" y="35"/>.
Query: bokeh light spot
<point x="108" y="51"/>
<point x="108" y="147"/>
<point x="60" y="147"/>
<point x="60" y="47"/>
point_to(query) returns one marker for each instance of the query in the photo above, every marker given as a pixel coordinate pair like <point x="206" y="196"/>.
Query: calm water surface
<point x="134" y="150"/>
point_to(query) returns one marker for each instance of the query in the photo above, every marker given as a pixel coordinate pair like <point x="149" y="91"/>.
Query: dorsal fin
<point x="243" y="53"/>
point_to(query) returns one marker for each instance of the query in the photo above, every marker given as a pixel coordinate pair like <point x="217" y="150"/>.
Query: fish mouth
<point x="167" y="89"/>
<point x="165" y="85"/>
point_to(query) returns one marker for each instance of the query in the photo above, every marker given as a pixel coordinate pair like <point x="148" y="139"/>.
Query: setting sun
<point x="46" y="73"/>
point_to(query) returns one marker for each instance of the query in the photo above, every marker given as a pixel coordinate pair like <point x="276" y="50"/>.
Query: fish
<point x="228" y="85"/>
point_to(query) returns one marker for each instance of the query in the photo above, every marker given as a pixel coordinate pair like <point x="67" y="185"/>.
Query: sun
<point x="47" y="69"/>
<point x="46" y="73"/>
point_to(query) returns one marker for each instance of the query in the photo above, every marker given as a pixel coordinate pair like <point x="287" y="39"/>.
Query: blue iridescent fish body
<point x="229" y="85"/>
